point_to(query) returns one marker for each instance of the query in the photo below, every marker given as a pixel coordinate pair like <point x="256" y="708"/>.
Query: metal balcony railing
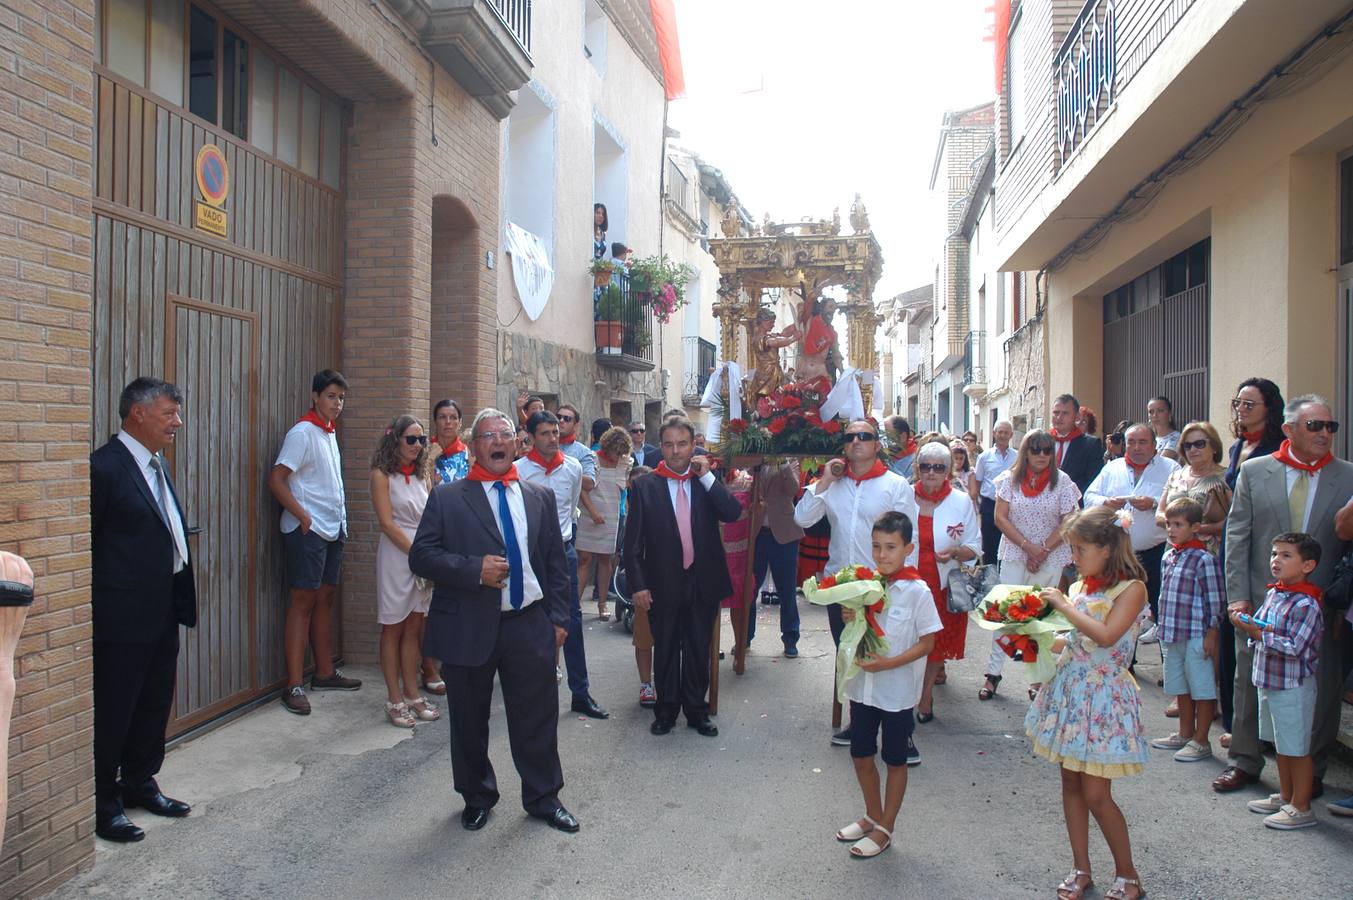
<point x="636" y="343"/>
<point x="516" y="15"/>
<point x="1087" y="73"/>
<point x="975" y="358"/>
<point x="699" y="356"/>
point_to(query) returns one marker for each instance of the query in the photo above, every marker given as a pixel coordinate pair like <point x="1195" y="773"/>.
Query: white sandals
<point x="1120" y="886"/>
<point x="865" y="848"/>
<point x="1071" y="889"/>
<point x="423" y="708"/>
<point x="399" y="715"/>
<point x="853" y="832"/>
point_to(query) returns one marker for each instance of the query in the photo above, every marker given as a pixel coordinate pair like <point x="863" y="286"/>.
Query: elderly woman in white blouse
<point x="947" y="534"/>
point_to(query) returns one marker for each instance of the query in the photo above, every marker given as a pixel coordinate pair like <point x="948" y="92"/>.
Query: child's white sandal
<point x="865" y="848"/>
<point x="853" y="832"/>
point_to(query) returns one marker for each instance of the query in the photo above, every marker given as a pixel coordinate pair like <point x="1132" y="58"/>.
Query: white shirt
<point x="531" y="591"/>
<point x="911" y="614"/>
<point x="706" y="479"/>
<point x="954" y="524"/>
<point x="1117" y="479"/>
<point x="1292" y="474"/>
<point x="316" y="480"/>
<point x="567" y="483"/>
<point x="143" y="457"/>
<point x="852" y="507"/>
<point x="990" y="463"/>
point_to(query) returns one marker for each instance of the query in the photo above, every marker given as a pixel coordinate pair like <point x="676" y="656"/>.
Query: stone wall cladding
<point x="1025" y="378"/>
<point x="529" y="363"/>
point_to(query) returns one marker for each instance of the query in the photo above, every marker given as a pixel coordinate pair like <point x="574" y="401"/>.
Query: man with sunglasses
<point x="547" y="465"/>
<point x="644" y="452"/>
<point x="852" y="493"/>
<point x="1300" y="488"/>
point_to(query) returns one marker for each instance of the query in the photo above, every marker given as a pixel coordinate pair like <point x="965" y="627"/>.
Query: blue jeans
<point x="575" y="658"/>
<point x="783" y="562"/>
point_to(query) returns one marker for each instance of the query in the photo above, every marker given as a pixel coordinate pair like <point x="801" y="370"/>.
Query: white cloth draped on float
<point x="728" y="373"/>
<point x="845" y="398"/>
<point x="531" y="270"/>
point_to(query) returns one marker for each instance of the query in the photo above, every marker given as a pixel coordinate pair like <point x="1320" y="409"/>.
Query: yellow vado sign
<point x="213" y="182"/>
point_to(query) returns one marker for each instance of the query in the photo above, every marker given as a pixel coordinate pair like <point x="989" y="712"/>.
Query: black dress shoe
<point x="589" y="707"/>
<point x="118" y="829"/>
<point x="562" y="820"/>
<point x="661" y="726"/>
<point x="157" y="803"/>
<point x="705" y="727"/>
<point x="472" y="818"/>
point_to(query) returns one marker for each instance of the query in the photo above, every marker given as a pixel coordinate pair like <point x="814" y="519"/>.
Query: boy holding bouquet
<point x="883" y="694"/>
<point x="1285" y="634"/>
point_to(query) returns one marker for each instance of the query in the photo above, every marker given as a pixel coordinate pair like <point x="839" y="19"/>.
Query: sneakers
<point x="791" y="651"/>
<point x="1173" y="742"/>
<point x="841" y="738"/>
<point x="1193" y="752"/>
<point x="1150" y="636"/>
<point x="295" y="701"/>
<point x="335" y="682"/>
<point x="648" y="697"/>
<point x="913" y="754"/>
<point x="1273" y="804"/>
<point x="1342" y="807"/>
<point x="1289" y="818"/>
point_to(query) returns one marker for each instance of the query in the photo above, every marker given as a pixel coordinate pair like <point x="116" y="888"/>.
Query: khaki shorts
<point x="643" y="635"/>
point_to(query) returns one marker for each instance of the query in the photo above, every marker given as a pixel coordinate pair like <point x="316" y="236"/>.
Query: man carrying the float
<point x="852" y="493"/>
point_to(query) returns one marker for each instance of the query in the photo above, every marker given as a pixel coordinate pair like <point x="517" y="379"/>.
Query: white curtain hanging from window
<point x="531" y="270"/>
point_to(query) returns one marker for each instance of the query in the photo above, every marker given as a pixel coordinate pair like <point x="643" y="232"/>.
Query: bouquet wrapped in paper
<point x="1027" y="625"/>
<point x="865" y="591"/>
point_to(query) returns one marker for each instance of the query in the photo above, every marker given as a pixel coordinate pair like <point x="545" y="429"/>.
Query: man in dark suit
<point x="1078" y="455"/>
<point x="674" y="561"/>
<point x="142" y="591"/>
<point x="645" y="454"/>
<point x="492" y="545"/>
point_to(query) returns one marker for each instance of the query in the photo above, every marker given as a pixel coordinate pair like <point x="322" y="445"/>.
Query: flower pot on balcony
<point x="610" y="335"/>
<point x="601" y="279"/>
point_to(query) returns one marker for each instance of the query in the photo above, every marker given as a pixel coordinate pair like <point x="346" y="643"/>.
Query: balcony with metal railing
<point x="624" y="327"/>
<point x="484" y="44"/>
<point x="698" y="356"/>
<point x="975" y="365"/>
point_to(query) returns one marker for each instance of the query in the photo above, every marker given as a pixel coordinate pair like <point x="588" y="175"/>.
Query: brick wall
<point x="46" y="121"/>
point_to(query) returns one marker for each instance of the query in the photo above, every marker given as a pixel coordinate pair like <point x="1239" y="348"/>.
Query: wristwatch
<point x="15" y="593"/>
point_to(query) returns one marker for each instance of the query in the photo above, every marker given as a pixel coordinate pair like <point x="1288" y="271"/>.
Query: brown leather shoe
<point x="1232" y="779"/>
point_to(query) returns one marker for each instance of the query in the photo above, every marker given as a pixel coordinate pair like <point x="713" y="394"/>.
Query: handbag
<point x="1338" y="592"/>
<point x="969" y="586"/>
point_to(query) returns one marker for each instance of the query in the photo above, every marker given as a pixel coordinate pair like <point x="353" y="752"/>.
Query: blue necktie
<point x="514" y="587"/>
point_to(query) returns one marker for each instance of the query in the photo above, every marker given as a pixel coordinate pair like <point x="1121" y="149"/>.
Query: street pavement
<point x="342" y="805"/>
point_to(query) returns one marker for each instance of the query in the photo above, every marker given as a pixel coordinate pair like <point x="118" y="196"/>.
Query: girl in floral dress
<point x="1087" y="719"/>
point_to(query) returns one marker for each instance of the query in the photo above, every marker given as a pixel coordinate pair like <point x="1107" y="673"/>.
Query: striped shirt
<point x="1192" y="594"/>
<point x="1286" y="652"/>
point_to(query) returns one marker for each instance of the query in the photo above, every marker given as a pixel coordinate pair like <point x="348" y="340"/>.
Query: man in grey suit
<point x="1300" y="488"/>
<point x="492" y="545"/>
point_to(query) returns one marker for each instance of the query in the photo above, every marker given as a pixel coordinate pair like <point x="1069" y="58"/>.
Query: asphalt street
<point x="342" y="805"/>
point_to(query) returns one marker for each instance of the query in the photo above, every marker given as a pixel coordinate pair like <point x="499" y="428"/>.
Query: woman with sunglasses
<point x="947" y="533"/>
<point x="1033" y="499"/>
<point x="1202" y="478"/>
<point x="401" y="478"/>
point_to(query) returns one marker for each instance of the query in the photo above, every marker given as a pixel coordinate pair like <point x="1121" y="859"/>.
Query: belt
<point x="515" y="613"/>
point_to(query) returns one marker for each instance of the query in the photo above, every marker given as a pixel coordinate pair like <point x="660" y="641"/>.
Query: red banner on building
<point x="669" y="46"/>
<point x="1000" y="36"/>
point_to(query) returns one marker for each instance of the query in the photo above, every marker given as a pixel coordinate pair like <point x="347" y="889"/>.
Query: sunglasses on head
<point x="412" y="439"/>
<point x="1318" y="425"/>
<point x="931" y="467"/>
<point x="860" y="436"/>
<point x="1194" y="445"/>
<point x="1040" y="451"/>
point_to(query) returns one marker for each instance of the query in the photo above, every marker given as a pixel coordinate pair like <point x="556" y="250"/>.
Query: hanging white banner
<point x="731" y="373"/>
<point x="845" y="398"/>
<point x="531" y="270"/>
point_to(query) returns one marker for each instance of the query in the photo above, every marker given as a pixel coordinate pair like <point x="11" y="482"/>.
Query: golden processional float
<point x="763" y="412"/>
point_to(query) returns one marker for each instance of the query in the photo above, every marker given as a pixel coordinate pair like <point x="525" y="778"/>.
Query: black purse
<point x="1339" y="592"/>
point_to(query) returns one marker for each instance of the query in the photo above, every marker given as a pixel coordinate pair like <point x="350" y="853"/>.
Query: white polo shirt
<point x="852" y="507"/>
<point x="316" y="480"/>
<point x="566" y="481"/>
<point x="911" y="614"/>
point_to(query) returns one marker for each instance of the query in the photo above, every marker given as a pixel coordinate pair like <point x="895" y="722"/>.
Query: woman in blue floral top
<point x="452" y="463"/>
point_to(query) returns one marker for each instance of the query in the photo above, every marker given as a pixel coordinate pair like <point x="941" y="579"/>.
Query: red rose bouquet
<point x="865" y="591"/>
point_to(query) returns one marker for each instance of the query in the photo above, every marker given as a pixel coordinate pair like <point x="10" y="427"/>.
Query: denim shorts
<point x="311" y="560"/>
<point x="865" y="722"/>
<point x="1285" y="717"/>
<point x="1188" y="671"/>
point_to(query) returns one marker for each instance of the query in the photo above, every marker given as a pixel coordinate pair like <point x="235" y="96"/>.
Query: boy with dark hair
<point x="307" y="481"/>
<point x="1285" y="635"/>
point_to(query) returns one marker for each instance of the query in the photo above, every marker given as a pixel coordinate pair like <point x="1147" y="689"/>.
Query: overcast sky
<point x="802" y="103"/>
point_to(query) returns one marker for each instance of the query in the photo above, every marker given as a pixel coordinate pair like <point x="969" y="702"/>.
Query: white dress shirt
<point x="316" y="480"/>
<point x="911" y="614"/>
<point x="567" y="483"/>
<point x="991" y="463"/>
<point x="531" y="591"/>
<point x="177" y="531"/>
<point x="852" y="507"/>
<point x="1292" y="474"/>
<point x="706" y="479"/>
<point x="1117" y="479"/>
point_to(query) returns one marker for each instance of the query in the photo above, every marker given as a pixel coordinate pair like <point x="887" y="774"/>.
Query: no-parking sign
<point x="213" y="183"/>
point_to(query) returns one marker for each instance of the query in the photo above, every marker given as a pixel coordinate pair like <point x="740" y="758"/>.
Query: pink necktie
<point x="683" y="517"/>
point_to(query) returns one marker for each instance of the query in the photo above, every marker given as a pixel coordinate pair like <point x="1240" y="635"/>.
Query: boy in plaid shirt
<point x="1192" y="600"/>
<point x="1285" y="634"/>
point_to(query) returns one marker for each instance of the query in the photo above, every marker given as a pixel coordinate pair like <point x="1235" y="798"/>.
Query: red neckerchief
<point x="565" y="441"/>
<point x="907" y="572"/>
<point x="1033" y="485"/>
<point x="1284" y="456"/>
<point x="534" y="456"/>
<point x="1138" y="470"/>
<point x="1254" y="437"/>
<point x="313" y="418"/>
<point x="457" y="447"/>
<point x="479" y="473"/>
<point x="407" y="471"/>
<point x="1071" y="436"/>
<point x="871" y="613"/>
<point x="876" y="471"/>
<point x="1299" y="587"/>
<point x="663" y="472"/>
<point x="1194" y="544"/>
<point x="938" y="497"/>
<point x="910" y="448"/>
<point x="606" y="456"/>
<point x="1096" y="585"/>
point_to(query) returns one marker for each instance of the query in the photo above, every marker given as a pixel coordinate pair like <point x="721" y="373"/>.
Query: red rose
<point x="737" y="426"/>
<point x="863" y="573"/>
<point x="993" y="613"/>
<point x="776" y="426"/>
<point x="832" y="427"/>
<point x="828" y="582"/>
<point x="789" y="401"/>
